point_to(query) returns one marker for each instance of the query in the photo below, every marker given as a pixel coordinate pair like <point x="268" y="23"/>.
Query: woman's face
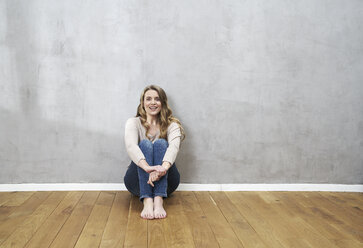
<point x="152" y="103"/>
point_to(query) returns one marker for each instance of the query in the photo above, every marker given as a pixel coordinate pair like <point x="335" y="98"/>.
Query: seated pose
<point x="152" y="141"/>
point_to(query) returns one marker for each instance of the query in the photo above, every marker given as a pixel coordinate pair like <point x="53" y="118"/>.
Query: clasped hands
<point x="155" y="173"/>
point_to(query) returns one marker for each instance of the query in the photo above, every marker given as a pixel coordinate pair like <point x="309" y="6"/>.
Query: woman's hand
<point x="153" y="176"/>
<point x="160" y="170"/>
<point x="149" y="169"/>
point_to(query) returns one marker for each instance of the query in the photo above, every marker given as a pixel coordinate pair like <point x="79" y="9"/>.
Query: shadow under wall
<point x="40" y="151"/>
<point x="34" y="150"/>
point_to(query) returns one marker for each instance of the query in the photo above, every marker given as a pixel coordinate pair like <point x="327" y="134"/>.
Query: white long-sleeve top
<point x="135" y="132"/>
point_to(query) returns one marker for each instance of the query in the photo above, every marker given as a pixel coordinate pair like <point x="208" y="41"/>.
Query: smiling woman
<point x="152" y="141"/>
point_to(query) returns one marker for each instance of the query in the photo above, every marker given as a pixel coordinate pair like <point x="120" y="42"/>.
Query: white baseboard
<point x="183" y="187"/>
<point x="272" y="187"/>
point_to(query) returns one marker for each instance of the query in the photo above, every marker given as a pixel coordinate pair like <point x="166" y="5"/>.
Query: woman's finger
<point x="161" y="174"/>
<point x="154" y="178"/>
<point x="150" y="182"/>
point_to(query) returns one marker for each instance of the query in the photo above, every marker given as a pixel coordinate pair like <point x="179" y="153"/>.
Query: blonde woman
<point x="152" y="141"/>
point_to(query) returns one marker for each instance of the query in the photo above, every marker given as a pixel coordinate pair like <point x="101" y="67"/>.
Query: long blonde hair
<point x="165" y="117"/>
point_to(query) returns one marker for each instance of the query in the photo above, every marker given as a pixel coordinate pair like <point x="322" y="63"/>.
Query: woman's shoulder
<point x="172" y="126"/>
<point x="133" y="121"/>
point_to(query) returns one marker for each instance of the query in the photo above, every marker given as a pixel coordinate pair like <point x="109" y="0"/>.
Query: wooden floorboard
<point x="255" y="219"/>
<point x="68" y="236"/>
<point x="93" y="230"/>
<point x="136" y="230"/>
<point x="202" y="233"/>
<point x="175" y="227"/>
<point x="115" y="230"/>
<point x="50" y="228"/>
<point x="11" y="220"/>
<point x="240" y="225"/>
<point x="195" y="219"/>
<point x="222" y="230"/>
<point x="29" y="226"/>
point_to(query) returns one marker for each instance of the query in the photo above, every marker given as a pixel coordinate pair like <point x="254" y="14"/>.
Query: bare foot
<point x="159" y="211"/>
<point x="148" y="212"/>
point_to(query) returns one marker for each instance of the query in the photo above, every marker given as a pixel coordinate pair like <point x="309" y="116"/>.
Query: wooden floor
<point x="195" y="219"/>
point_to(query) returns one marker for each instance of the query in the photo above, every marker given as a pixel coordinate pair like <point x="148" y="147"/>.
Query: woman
<point x="152" y="141"/>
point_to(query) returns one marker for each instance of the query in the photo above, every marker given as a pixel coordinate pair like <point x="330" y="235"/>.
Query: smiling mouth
<point x="153" y="108"/>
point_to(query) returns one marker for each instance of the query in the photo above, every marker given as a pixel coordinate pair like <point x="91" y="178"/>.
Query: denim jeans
<point x="136" y="178"/>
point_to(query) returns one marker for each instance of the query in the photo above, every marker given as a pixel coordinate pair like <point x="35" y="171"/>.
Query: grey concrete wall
<point x="268" y="91"/>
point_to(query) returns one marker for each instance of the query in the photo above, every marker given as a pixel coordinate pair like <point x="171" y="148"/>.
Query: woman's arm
<point x="145" y="166"/>
<point x="132" y="147"/>
<point x="166" y="165"/>
<point x="174" y="135"/>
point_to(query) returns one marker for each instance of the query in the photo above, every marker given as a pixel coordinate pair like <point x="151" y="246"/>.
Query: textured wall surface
<point x="268" y="91"/>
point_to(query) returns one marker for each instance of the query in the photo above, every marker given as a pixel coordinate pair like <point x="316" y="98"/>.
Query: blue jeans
<point x="136" y="178"/>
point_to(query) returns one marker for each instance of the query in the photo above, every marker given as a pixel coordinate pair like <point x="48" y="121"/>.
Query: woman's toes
<point x="159" y="213"/>
<point x="147" y="215"/>
<point x="148" y="211"/>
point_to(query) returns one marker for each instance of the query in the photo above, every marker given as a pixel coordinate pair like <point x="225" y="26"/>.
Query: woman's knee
<point x="161" y="143"/>
<point x="146" y="144"/>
